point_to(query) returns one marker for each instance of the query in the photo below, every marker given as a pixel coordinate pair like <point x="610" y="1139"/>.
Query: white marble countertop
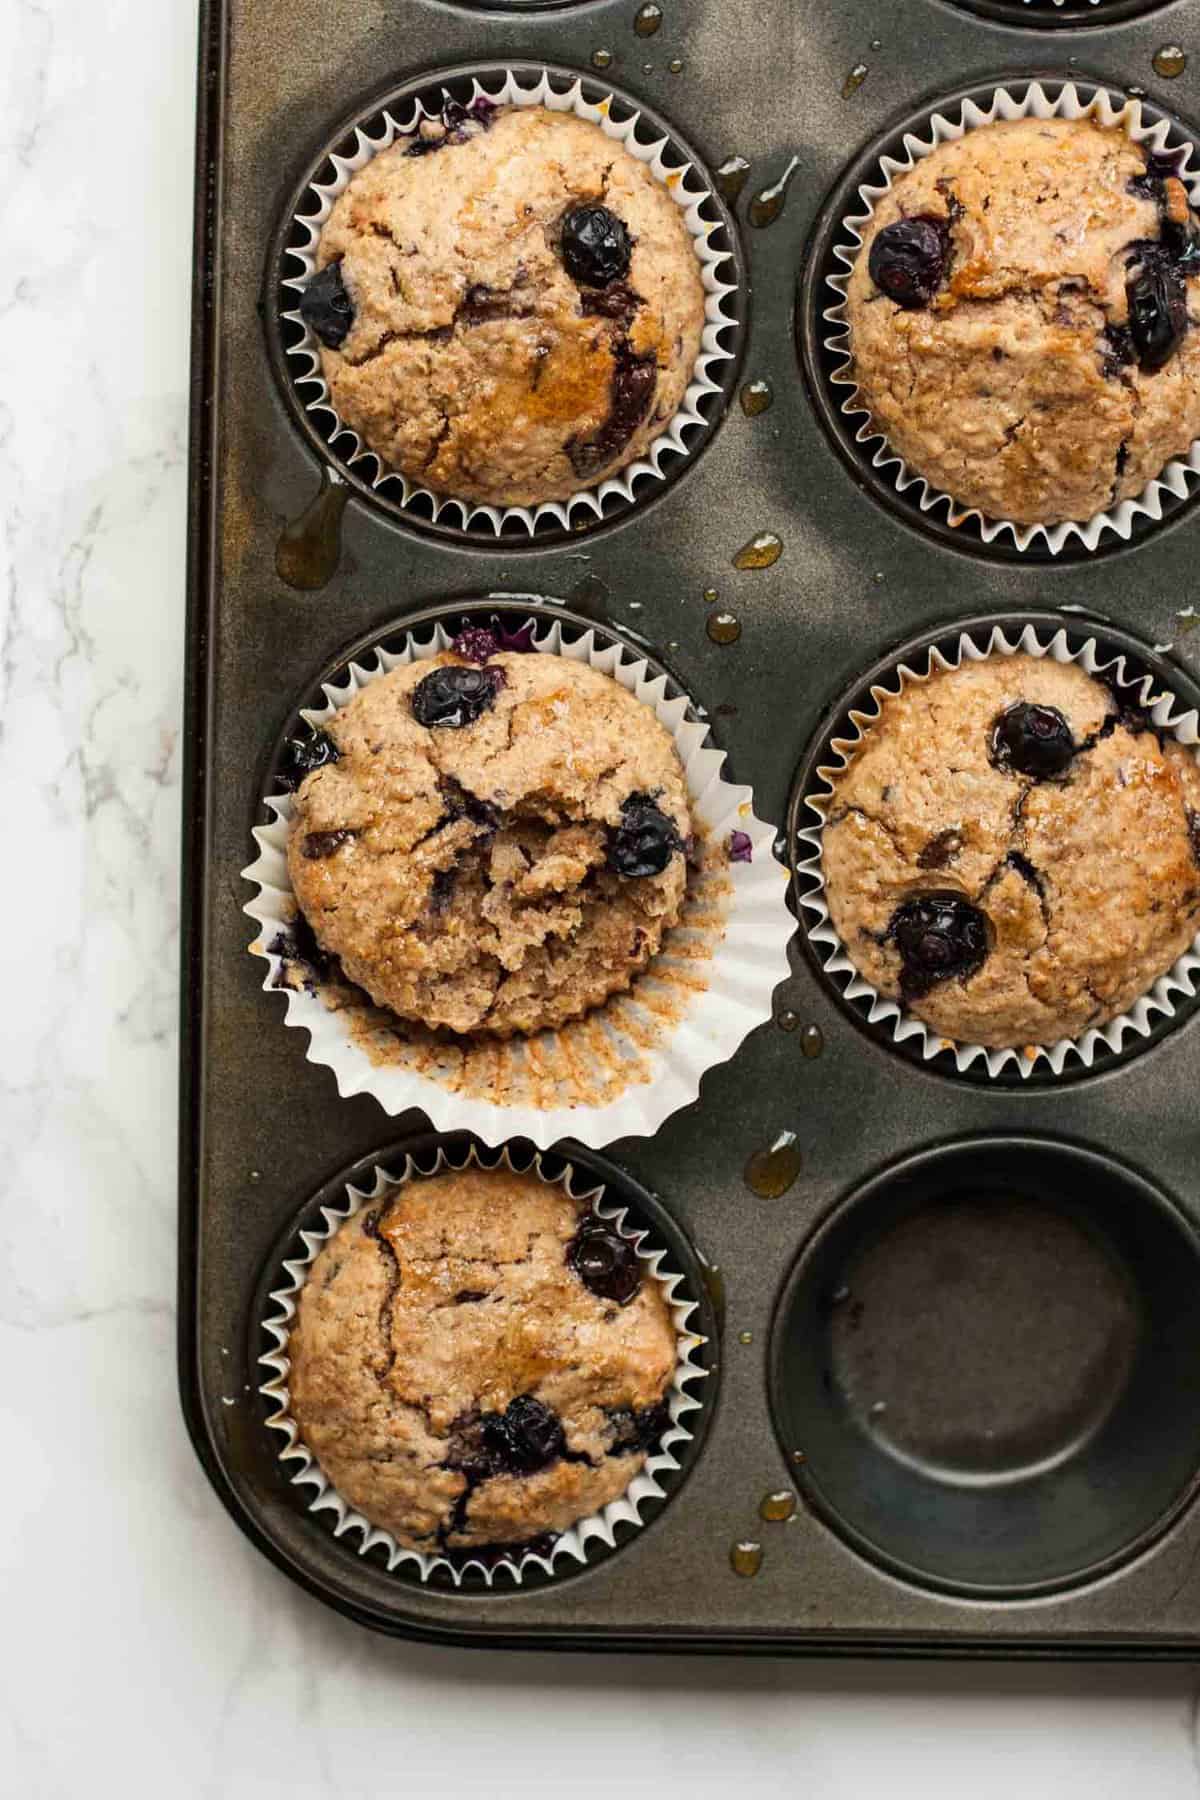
<point x="147" y="1649"/>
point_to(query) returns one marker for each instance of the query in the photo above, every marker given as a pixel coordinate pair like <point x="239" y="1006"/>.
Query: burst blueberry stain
<point x="316" y="846"/>
<point x="1158" y="316"/>
<point x="939" y="937"/>
<point x="741" y="849"/>
<point x="327" y="308"/>
<point x="640" y="1428"/>
<point x="452" y="697"/>
<point x="1033" y="740"/>
<point x="908" y="259"/>
<point x="475" y="644"/>
<point x="645" y="840"/>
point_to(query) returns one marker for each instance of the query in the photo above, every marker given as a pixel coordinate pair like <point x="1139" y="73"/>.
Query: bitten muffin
<point x="494" y="846"/>
<point x="1014" y="852"/>
<point x="509" y="305"/>
<point x="479" y="1360"/>
<point x="1021" y="318"/>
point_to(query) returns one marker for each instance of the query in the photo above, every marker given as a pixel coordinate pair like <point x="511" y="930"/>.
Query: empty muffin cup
<point x="624" y="1066"/>
<point x="639" y="1234"/>
<point x="1069" y="334"/>
<point x="982" y="1366"/>
<point x="1003" y="931"/>
<point x="456" y="104"/>
<point x="1055" y="14"/>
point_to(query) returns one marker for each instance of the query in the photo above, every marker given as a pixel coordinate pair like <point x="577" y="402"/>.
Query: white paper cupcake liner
<point x="1028" y="100"/>
<point x="623" y="1068"/>
<point x="596" y="1529"/>
<point x="683" y="182"/>
<point x="1180" y="981"/>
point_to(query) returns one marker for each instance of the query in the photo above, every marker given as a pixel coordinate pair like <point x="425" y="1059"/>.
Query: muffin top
<point x="491" y="848"/>
<point x="509" y="304"/>
<point x="1013" y="853"/>
<point x="1019" y="318"/>
<point x="478" y="1359"/>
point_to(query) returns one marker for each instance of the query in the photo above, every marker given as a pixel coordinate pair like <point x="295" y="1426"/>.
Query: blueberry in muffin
<point x="1013" y="853"/>
<point x="490" y="846"/>
<point x="1020" y="318"/>
<point x="508" y="305"/>
<point x="467" y="1378"/>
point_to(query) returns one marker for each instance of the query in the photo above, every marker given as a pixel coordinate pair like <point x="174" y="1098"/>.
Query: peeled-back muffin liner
<point x="1032" y="102"/>
<point x="689" y="193"/>
<point x="573" y="1546"/>
<point x="1182" y="979"/>
<point x="630" y="1063"/>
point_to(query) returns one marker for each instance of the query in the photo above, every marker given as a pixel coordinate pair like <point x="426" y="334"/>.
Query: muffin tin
<point x="1026" y="1488"/>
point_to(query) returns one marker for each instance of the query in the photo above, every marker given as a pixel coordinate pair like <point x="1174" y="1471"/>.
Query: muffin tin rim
<point x="818" y="364"/>
<point x="398" y="513"/>
<point x="1076" y="623"/>
<point x="864" y="1190"/>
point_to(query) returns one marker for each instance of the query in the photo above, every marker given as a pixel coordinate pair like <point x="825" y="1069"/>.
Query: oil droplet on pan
<point x="589" y="597"/>
<point x="1169" y="61"/>
<point x="766" y="206"/>
<point x="812" y="1040"/>
<point x="602" y="59"/>
<point x="756" y="397"/>
<point x="760" y="552"/>
<point x="310" y="548"/>
<point x="723" y="627"/>
<point x="647" y="19"/>
<point x="745" y="1558"/>
<point x="731" y="177"/>
<point x="676" y="65"/>
<point x="770" y="1173"/>
<point x="854" y="80"/>
<point x="787" y="1020"/>
<point x="745" y="1337"/>
<point x="777" y="1506"/>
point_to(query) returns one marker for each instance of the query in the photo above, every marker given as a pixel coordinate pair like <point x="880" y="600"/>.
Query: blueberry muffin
<point x="1021" y="318"/>
<point x="490" y="846"/>
<point x="509" y="305"/>
<point x="480" y="1360"/>
<point x="1014" y="852"/>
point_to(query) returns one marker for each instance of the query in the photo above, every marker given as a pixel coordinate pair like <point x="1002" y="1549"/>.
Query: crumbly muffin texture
<point x="1006" y="907"/>
<point x="1040" y="362"/>
<point x="455" y="1377"/>
<point x="475" y="875"/>
<point x="466" y="353"/>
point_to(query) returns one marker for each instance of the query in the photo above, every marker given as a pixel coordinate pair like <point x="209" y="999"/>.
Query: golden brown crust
<point x="465" y="882"/>
<point x="488" y="408"/>
<point x="1005" y="392"/>
<point x="445" y="1302"/>
<point x="1090" y="880"/>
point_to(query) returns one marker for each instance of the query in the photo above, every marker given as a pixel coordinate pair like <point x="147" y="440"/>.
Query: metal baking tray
<point x="885" y="1552"/>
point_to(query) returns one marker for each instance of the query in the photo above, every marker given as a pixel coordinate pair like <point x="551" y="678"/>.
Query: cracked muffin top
<point x="509" y="305"/>
<point x="491" y="846"/>
<point x="1014" y="852"/>
<point x="1020" y="318"/>
<point x="478" y="1360"/>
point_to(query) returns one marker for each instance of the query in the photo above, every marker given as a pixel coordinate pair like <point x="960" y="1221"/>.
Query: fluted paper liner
<point x="1181" y="979"/>
<point x="683" y="182"/>
<point x="623" y="1068"/>
<point x="571" y="1547"/>
<point x="1029" y="101"/>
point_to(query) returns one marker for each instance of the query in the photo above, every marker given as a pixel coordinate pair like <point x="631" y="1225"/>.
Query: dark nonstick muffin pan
<point x="955" y="1376"/>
